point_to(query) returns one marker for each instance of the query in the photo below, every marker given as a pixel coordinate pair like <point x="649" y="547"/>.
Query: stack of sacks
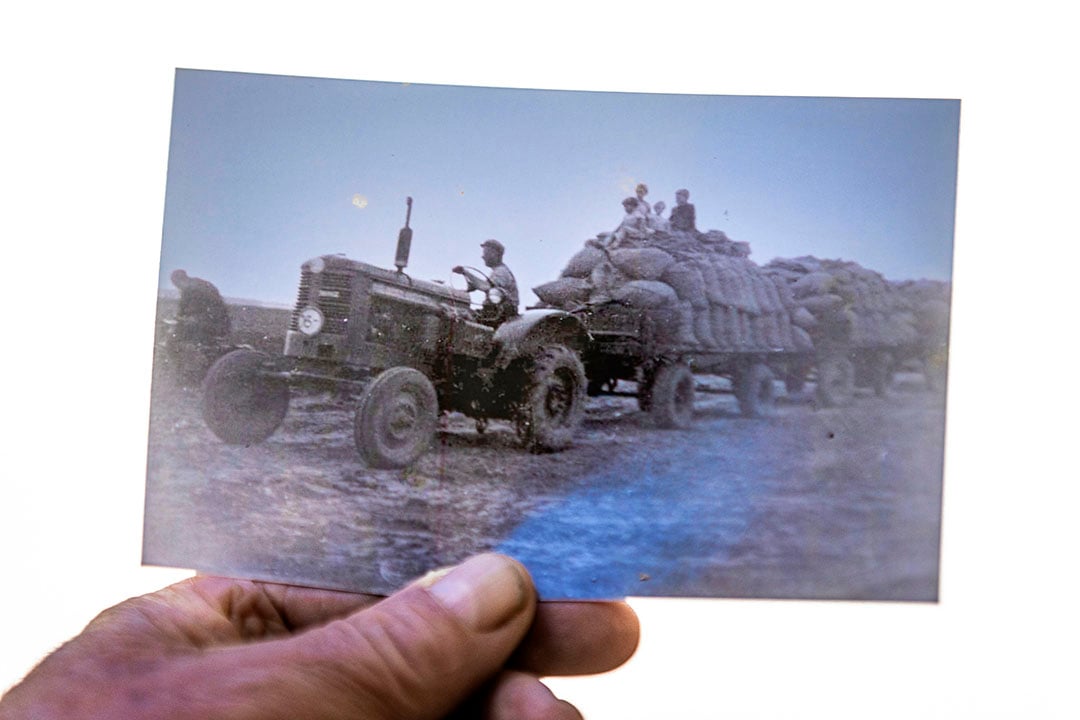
<point x="701" y="288"/>
<point x="843" y="300"/>
<point x="927" y="303"/>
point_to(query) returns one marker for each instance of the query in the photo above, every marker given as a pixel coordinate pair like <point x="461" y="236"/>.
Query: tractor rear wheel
<point x="396" y="418"/>
<point x="553" y="404"/>
<point x="241" y="404"/>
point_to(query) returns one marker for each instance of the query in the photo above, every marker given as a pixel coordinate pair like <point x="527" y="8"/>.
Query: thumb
<point x="417" y="654"/>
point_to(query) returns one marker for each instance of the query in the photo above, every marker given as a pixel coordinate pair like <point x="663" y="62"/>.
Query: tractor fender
<point x="526" y="334"/>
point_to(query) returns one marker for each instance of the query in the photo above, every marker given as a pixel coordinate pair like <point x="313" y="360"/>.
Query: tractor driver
<point x="501" y="303"/>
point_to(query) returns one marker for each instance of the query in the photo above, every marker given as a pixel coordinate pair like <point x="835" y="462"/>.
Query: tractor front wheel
<point x="242" y="404"/>
<point x="396" y="418"/>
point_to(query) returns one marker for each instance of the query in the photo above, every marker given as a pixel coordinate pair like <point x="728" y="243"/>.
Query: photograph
<point x="647" y="344"/>
<point x="787" y="367"/>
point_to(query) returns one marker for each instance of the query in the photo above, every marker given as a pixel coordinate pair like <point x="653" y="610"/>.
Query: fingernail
<point x="484" y="592"/>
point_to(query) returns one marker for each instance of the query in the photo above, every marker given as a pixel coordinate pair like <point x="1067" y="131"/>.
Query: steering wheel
<point x="477" y="279"/>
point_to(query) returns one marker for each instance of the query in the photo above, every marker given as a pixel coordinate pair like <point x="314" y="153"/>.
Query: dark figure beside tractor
<point x="199" y="333"/>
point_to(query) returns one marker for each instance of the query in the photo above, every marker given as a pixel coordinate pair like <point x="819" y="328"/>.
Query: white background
<point x="87" y="90"/>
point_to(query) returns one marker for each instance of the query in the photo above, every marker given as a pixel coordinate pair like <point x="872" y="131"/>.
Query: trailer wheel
<point x="755" y="391"/>
<point x="935" y="369"/>
<point x="881" y="373"/>
<point x="396" y="418"/>
<point x="835" y="382"/>
<point x="795" y="377"/>
<point x="645" y="390"/>
<point x="672" y="396"/>
<point x="553" y="404"/>
<point x="241" y="405"/>
<point x="794" y="382"/>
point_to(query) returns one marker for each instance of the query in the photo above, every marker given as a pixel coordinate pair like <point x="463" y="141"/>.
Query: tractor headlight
<point x="496" y="295"/>
<point x="310" y="321"/>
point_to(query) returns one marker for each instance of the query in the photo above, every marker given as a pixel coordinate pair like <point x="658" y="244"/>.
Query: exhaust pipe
<point x="404" y="239"/>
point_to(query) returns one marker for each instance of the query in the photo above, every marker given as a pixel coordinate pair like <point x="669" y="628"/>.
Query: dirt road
<point x="812" y="503"/>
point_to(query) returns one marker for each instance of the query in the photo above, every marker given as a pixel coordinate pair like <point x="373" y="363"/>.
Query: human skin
<point x="470" y="641"/>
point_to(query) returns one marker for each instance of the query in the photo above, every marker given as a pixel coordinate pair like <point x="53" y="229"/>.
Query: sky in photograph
<point x="266" y="172"/>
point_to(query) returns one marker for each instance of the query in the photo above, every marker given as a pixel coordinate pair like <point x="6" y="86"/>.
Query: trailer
<point x="628" y="344"/>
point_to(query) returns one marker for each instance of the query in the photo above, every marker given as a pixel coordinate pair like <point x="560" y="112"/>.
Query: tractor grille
<point x="329" y="291"/>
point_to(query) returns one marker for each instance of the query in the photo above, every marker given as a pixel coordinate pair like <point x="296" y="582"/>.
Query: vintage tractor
<point x="410" y="349"/>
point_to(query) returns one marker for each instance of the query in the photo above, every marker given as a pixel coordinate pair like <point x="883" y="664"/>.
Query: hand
<point x="472" y="639"/>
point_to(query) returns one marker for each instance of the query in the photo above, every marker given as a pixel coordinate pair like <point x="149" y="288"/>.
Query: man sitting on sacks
<point x="633" y="230"/>
<point x="501" y="292"/>
<point x="682" y="215"/>
<point x="643" y="208"/>
<point x="656" y="221"/>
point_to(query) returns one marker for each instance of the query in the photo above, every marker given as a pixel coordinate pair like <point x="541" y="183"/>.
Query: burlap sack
<point x="788" y="276"/>
<point x="582" y="264"/>
<point x="564" y="292"/>
<point x="645" y="294"/>
<point x="848" y="291"/>
<point x="772" y="294"/>
<point x="863" y="330"/>
<point x="761" y="331"/>
<point x="703" y="327"/>
<point x="882" y="328"/>
<point x="720" y="330"/>
<point x="802" y="340"/>
<point x="727" y="282"/>
<point x="641" y="263"/>
<point x="714" y="290"/>
<point x="688" y="284"/>
<point x="783" y="290"/>
<point x="747" y="340"/>
<point x="772" y="331"/>
<point x="734" y="327"/>
<point x="685" y="336"/>
<point x="760" y="287"/>
<point x="858" y="293"/>
<point x="606" y="277"/>
<point x="812" y="284"/>
<point x="819" y="304"/>
<point x="803" y="318"/>
<point x="715" y="237"/>
<point x="837" y="323"/>
<point x="745" y="271"/>
<point x="783" y="323"/>
<point x="909" y="334"/>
